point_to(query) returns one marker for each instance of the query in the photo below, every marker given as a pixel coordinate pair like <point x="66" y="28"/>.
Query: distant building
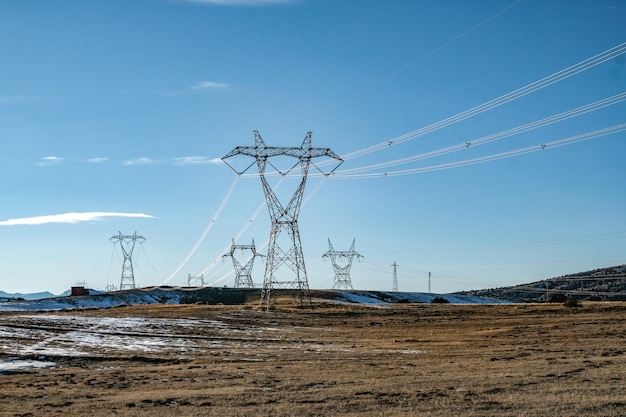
<point x="76" y="291"/>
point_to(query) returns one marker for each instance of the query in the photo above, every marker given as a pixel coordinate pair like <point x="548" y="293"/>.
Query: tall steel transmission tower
<point x="243" y="265"/>
<point x="395" y="277"/>
<point x="127" y="243"/>
<point x="284" y="247"/>
<point x="342" y="269"/>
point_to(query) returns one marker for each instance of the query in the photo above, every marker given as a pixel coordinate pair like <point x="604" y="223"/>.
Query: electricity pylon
<point x="287" y="253"/>
<point x="395" y="277"/>
<point x="127" y="243"/>
<point x="243" y="265"/>
<point x="342" y="272"/>
<point x="191" y="279"/>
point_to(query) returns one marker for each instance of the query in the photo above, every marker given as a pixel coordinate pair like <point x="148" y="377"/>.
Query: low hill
<point x="604" y="284"/>
<point x="228" y="296"/>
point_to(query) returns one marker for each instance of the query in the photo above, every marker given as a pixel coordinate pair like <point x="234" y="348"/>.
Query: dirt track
<point x="400" y="360"/>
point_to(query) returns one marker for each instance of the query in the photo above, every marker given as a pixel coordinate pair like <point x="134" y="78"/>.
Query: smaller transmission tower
<point x="395" y="277"/>
<point x="127" y="243"/>
<point x="243" y="265"/>
<point x="342" y="269"/>
<point x="191" y="279"/>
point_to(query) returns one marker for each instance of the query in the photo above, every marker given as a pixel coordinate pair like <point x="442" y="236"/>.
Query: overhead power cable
<point x="206" y="231"/>
<point x="489" y="105"/>
<point x="264" y="244"/>
<point x="618" y="98"/>
<point x="506" y="98"/>
<point x="502" y="155"/>
<point x="241" y="232"/>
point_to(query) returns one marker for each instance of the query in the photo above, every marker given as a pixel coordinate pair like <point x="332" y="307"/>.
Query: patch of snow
<point x="412" y="352"/>
<point x="382" y="297"/>
<point x="16" y="364"/>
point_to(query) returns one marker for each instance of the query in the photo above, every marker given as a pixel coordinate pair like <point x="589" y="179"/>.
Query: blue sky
<point x="114" y="116"/>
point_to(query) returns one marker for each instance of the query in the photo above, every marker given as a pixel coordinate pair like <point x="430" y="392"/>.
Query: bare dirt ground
<point x="323" y="360"/>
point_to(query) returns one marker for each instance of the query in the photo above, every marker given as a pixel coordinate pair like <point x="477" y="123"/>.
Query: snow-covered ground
<point x="378" y="297"/>
<point x="94" y="301"/>
<point x="35" y="340"/>
<point x="31" y="341"/>
<point x="15" y="364"/>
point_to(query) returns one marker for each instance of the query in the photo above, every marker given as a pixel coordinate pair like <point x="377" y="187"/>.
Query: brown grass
<point x="347" y="360"/>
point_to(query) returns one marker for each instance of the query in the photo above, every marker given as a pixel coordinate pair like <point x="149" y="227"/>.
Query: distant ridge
<point x="38" y="295"/>
<point x="604" y="284"/>
<point x="28" y="296"/>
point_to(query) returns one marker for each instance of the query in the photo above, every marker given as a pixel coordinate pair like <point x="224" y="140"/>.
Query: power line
<point x="206" y="231"/>
<point x="504" y="99"/>
<point x="553" y="144"/>
<point x="618" y="98"/>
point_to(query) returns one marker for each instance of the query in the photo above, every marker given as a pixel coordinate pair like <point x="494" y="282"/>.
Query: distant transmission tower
<point x="288" y="252"/>
<point x="127" y="243"/>
<point x="243" y="265"/>
<point x="395" y="277"/>
<point x="342" y="272"/>
<point x="191" y="279"/>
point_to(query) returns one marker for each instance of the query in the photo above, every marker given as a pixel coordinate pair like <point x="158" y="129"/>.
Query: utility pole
<point x="285" y="253"/>
<point x="127" y="243"/>
<point x="395" y="277"/>
<point x="243" y="266"/>
<point x="429" y="283"/>
<point x="342" y="272"/>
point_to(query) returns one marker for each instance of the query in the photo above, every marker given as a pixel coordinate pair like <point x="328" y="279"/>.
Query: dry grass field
<point x="323" y="360"/>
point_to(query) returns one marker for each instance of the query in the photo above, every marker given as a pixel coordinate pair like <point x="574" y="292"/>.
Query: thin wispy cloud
<point x="199" y="87"/>
<point x="70" y="218"/>
<point x="97" y="160"/>
<point x="14" y="99"/>
<point x="208" y="85"/>
<point x="196" y="160"/>
<point x="138" y="161"/>
<point x="49" y="161"/>
<point x="238" y="2"/>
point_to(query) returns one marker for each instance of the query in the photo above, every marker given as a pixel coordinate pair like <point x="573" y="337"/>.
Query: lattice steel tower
<point x="127" y="243"/>
<point x="284" y="247"/>
<point x="342" y="272"/>
<point x="243" y="264"/>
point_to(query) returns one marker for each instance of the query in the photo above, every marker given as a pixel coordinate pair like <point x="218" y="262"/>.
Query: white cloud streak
<point x="196" y="160"/>
<point x="138" y="161"/>
<point x="49" y="161"/>
<point x="70" y="218"/>
<point x="97" y="160"/>
<point x="208" y="85"/>
<point x="14" y="99"/>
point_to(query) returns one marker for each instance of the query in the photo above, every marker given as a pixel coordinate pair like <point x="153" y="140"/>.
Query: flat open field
<point x="323" y="360"/>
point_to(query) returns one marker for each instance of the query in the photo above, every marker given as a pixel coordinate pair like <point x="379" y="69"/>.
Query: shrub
<point x="572" y="302"/>
<point x="439" y="300"/>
